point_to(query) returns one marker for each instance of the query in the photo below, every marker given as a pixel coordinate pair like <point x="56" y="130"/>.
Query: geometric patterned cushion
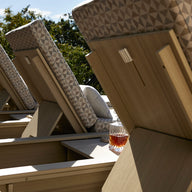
<point x="108" y="18"/>
<point x="102" y="125"/>
<point x="16" y="80"/>
<point x="35" y="35"/>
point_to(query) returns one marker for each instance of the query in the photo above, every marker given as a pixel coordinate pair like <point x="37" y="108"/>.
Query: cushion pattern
<point x="16" y="80"/>
<point x="35" y="35"/>
<point x="107" y="18"/>
<point x="102" y="125"/>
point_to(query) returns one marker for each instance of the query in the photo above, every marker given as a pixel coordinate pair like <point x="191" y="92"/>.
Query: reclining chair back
<point x="49" y="77"/>
<point x="137" y="85"/>
<point x="139" y="50"/>
<point x="13" y="84"/>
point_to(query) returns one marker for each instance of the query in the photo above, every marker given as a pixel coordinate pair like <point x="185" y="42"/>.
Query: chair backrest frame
<point x="147" y="93"/>
<point x="43" y="84"/>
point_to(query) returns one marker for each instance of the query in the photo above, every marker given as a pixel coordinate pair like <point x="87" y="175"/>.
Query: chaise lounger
<point x="141" y="54"/>
<point x="52" y="84"/>
<point x="13" y="85"/>
<point x="152" y="160"/>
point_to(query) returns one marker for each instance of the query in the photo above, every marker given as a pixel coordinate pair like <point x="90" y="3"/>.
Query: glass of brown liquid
<point x="118" y="137"/>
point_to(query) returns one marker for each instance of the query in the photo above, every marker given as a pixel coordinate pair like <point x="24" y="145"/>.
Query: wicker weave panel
<point x="16" y="80"/>
<point x="35" y="35"/>
<point x="107" y="18"/>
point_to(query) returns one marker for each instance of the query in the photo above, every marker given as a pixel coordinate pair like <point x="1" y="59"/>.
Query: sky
<point x="51" y="9"/>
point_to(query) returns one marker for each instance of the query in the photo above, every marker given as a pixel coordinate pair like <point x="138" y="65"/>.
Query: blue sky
<point x="53" y="9"/>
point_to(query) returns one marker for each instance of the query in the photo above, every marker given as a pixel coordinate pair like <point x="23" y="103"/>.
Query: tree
<point x="65" y="34"/>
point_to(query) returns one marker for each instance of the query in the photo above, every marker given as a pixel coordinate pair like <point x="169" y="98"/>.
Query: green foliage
<point x="12" y="21"/>
<point x="65" y="34"/>
<point x="75" y="57"/>
<point x="65" y="31"/>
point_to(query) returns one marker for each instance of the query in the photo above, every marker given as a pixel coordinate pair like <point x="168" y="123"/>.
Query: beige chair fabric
<point x="11" y="73"/>
<point x="35" y="35"/>
<point x="98" y="19"/>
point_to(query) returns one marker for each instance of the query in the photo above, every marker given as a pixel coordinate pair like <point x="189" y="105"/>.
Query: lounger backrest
<point x="35" y="35"/>
<point x="16" y="84"/>
<point x="148" y="67"/>
<point x="133" y="45"/>
<point x="103" y="19"/>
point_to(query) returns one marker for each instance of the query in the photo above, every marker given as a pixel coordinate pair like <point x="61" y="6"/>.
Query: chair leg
<point x="44" y="120"/>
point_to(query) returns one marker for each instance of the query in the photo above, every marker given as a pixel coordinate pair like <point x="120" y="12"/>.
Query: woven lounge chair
<point x="141" y="54"/>
<point x="51" y="81"/>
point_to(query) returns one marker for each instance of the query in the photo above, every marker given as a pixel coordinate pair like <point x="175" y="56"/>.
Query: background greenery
<point x="65" y="34"/>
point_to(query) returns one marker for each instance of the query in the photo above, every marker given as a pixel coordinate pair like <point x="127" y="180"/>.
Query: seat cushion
<point x="16" y="80"/>
<point x="35" y="35"/>
<point x="96" y="101"/>
<point x="100" y="19"/>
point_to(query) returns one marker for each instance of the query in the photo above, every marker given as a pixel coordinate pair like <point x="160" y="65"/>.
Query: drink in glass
<point x="118" y="137"/>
